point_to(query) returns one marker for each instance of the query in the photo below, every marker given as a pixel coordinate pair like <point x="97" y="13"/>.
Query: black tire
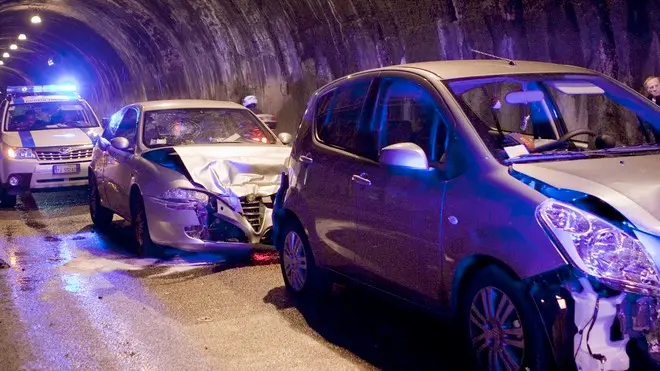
<point x="144" y="246"/>
<point x="308" y="280"/>
<point x="7" y="200"/>
<point x="101" y="216"/>
<point x="535" y="354"/>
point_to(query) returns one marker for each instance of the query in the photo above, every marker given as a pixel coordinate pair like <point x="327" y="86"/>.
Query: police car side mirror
<point x="104" y="122"/>
<point x="120" y="143"/>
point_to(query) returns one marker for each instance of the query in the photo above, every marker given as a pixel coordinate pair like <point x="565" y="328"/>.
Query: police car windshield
<point x="48" y="115"/>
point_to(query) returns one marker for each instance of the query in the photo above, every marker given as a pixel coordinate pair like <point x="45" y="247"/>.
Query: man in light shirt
<point x="652" y="88"/>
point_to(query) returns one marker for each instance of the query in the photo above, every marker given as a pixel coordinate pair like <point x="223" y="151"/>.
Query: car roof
<point x="456" y="69"/>
<point x="155" y="105"/>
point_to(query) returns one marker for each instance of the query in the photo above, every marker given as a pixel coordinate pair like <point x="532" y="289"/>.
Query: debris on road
<point x="3" y="264"/>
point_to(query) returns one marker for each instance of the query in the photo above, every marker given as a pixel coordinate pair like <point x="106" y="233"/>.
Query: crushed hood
<point x="630" y="184"/>
<point x="234" y="171"/>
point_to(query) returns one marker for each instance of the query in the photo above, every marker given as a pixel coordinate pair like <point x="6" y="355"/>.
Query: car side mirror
<point x="285" y="138"/>
<point x="104" y="122"/>
<point x="408" y="155"/>
<point x="120" y="143"/>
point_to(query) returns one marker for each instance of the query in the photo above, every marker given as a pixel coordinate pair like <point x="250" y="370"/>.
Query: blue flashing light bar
<point x="42" y="89"/>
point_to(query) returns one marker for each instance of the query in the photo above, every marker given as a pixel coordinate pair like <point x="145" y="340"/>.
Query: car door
<point x="101" y="155"/>
<point x="118" y="170"/>
<point x="327" y="162"/>
<point x="399" y="209"/>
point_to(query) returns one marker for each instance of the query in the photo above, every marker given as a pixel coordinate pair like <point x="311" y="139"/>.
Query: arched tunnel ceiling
<point x="123" y="51"/>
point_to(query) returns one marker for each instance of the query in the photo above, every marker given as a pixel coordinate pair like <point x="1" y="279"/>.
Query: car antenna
<point x="511" y="62"/>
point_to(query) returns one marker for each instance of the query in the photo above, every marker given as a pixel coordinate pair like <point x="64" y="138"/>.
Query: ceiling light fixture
<point x="2" y="63"/>
<point x="13" y="46"/>
<point x="36" y="19"/>
<point x="5" y="55"/>
<point x="22" y="37"/>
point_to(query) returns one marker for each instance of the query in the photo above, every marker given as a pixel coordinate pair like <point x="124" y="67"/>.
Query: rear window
<point x="49" y="115"/>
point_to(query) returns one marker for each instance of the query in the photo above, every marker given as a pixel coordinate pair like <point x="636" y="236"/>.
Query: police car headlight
<point x="21" y="153"/>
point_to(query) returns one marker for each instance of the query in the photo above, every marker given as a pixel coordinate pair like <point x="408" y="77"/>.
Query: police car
<point x="46" y="139"/>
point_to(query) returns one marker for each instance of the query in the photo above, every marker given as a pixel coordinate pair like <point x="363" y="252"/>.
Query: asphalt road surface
<point x="72" y="299"/>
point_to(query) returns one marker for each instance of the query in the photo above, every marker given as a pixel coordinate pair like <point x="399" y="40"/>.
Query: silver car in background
<point x="190" y="174"/>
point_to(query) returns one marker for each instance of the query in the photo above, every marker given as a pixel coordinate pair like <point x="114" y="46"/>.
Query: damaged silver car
<point x="191" y="174"/>
<point x="523" y="198"/>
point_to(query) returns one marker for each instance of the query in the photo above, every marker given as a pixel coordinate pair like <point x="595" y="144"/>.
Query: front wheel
<point x="101" y="216"/>
<point x="501" y="324"/>
<point x="144" y="245"/>
<point x="302" y="277"/>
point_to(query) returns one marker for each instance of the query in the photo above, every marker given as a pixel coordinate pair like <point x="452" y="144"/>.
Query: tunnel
<point x="125" y="51"/>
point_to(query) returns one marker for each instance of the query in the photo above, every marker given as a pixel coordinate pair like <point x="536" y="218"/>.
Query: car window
<point x="123" y="124"/>
<point x="408" y="112"/>
<point x="187" y="126"/>
<point x="339" y="114"/>
<point x="113" y="123"/>
<point x="531" y="119"/>
<point x="49" y="115"/>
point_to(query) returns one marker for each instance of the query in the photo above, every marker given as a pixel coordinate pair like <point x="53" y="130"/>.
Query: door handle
<point x="361" y="179"/>
<point x="305" y="159"/>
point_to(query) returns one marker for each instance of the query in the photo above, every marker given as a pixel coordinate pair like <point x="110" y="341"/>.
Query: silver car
<point x="191" y="174"/>
<point x="520" y="197"/>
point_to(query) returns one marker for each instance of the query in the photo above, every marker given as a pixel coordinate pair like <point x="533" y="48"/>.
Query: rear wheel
<point x="101" y="216"/>
<point x="144" y="245"/>
<point x="7" y="200"/>
<point x="501" y="324"/>
<point x="302" y="277"/>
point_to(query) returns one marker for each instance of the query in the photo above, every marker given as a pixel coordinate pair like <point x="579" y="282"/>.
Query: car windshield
<point x="177" y="127"/>
<point x="526" y="116"/>
<point x="49" y="115"/>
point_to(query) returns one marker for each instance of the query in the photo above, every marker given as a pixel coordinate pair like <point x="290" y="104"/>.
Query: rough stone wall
<point x="282" y="50"/>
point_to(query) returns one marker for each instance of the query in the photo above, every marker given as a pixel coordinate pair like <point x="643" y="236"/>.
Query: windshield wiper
<point x="552" y="156"/>
<point x="639" y="148"/>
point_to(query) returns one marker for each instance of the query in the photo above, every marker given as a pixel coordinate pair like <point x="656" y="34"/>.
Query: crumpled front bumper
<point x="593" y="327"/>
<point x="194" y="226"/>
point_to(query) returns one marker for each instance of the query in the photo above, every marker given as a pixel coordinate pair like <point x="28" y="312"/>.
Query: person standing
<point x="251" y="103"/>
<point x="652" y="89"/>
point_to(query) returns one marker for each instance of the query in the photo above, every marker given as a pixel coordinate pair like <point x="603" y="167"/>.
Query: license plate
<point x="66" y="169"/>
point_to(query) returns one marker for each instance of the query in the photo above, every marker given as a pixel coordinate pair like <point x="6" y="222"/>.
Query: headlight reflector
<point x="20" y="153"/>
<point x="185" y="195"/>
<point x="600" y="248"/>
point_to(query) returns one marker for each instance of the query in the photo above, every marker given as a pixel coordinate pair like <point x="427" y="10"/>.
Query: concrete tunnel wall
<point x="282" y="50"/>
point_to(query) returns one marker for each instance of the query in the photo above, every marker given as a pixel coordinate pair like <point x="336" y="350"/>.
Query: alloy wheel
<point x="295" y="261"/>
<point x="496" y="331"/>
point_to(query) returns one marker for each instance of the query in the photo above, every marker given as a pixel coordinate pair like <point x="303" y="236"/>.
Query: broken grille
<point x="253" y="212"/>
<point x="56" y="155"/>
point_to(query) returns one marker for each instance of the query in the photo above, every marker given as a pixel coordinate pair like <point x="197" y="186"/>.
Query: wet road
<point x="74" y="299"/>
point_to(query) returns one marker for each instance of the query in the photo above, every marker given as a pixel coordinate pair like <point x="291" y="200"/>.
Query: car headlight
<point x="20" y="153"/>
<point x="185" y="195"/>
<point x="599" y="248"/>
